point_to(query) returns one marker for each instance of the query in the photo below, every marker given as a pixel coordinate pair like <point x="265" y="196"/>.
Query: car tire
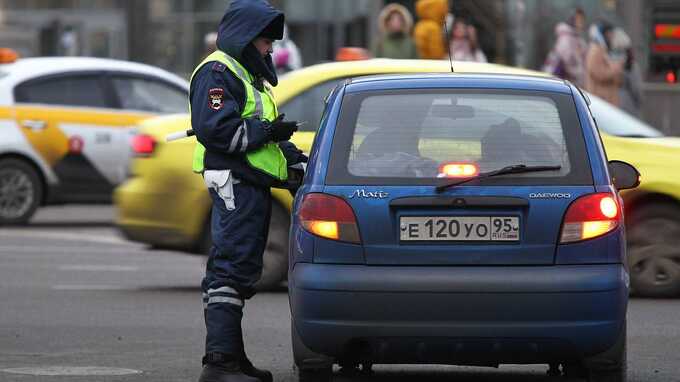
<point x="21" y="191"/>
<point x="653" y="236"/>
<point x="612" y="365"/>
<point x="275" y="258"/>
<point x="311" y="366"/>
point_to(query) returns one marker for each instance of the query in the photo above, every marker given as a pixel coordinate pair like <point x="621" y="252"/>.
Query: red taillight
<point x="458" y="170"/>
<point x="590" y="216"/>
<point x="329" y="217"/>
<point x="143" y="144"/>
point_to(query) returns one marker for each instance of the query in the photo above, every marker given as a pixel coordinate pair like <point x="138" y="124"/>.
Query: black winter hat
<point x="274" y="30"/>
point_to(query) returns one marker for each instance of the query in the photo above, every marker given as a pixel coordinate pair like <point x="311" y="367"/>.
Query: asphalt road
<point x="76" y="298"/>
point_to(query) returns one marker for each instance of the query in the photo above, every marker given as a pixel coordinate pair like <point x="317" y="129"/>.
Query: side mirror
<point x="624" y="176"/>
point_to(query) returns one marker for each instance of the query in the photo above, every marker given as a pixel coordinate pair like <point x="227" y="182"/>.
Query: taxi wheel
<point x="275" y="261"/>
<point x="654" y="250"/>
<point x="20" y="191"/>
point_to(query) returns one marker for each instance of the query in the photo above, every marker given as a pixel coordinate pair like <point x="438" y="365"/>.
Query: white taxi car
<point x="66" y="127"/>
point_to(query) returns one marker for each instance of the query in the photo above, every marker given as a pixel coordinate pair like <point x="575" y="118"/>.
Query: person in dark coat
<point x="243" y="149"/>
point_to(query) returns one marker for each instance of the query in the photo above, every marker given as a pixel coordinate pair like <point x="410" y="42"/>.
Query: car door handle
<point x="34" y="124"/>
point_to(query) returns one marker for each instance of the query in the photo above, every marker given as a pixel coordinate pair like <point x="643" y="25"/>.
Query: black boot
<point x="248" y="369"/>
<point x="224" y="372"/>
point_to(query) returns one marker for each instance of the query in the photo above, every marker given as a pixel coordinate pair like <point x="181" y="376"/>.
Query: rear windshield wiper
<point x="514" y="169"/>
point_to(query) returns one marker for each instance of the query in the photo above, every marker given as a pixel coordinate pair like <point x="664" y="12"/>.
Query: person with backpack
<point x="567" y="58"/>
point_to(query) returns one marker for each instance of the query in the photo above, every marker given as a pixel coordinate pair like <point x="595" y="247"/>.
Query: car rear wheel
<point x="654" y="250"/>
<point x="275" y="260"/>
<point x="20" y="191"/>
<point x="612" y="365"/>
<point x="311" y="366"/>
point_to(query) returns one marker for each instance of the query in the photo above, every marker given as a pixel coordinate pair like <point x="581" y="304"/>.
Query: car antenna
<point x="448" y="45"/>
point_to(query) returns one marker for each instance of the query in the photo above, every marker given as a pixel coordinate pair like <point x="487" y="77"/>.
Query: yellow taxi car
<point x="65" y="126"/>
<point x="164" y="204"/>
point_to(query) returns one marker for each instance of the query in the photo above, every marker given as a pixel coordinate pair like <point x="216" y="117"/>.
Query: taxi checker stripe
<point x="259" y="109"/>
<point x="238" y="136"/>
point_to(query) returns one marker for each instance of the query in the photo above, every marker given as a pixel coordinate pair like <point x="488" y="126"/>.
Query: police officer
<point x="243" y="150"/>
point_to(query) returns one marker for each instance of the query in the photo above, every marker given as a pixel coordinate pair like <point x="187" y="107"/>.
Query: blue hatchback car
<point x="462" y="220"/>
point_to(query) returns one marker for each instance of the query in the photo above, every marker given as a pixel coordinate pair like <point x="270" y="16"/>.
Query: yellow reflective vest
<point x="259" y="104"/>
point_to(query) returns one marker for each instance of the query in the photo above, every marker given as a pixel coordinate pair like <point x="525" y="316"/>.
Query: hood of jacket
<point x="392" y="8"/>
<point x="243" y="22"/>
<point x="433" y="10"/>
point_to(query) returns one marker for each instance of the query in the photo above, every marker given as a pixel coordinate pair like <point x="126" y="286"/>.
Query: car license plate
<point x="459" y="228"/>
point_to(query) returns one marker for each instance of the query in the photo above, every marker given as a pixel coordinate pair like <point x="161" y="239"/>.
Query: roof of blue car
<point x="458" y="80"/>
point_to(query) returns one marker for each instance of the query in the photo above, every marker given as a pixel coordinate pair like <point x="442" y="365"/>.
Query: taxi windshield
<point x="411" y="136"/>
<point x="614" y="121"/>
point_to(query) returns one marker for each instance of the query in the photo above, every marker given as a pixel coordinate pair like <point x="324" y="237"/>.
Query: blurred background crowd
<point x="626" y="51"/>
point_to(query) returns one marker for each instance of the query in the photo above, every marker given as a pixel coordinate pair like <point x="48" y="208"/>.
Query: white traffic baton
<point x="179" y="135"/>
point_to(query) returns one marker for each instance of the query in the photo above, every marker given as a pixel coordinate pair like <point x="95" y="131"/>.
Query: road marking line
<point x="90" y="287"/>
<point x="59" y="249"/>
<point x="71" y="371"/>
<point x="99" y="268"/>
<point x="84" y="237"/>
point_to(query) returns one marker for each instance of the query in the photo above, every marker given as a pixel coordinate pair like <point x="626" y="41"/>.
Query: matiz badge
<point x="216" y="98"/>
<point x="369" y="195"/>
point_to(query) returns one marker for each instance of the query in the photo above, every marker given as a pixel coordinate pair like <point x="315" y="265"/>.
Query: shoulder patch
<point x="216" y="98"/>
<point x="219" y="67"/>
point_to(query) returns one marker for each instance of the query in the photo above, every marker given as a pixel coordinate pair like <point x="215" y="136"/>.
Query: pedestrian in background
<point x="630" y="92"/>
<point x="464" y="43"/>
<point x="603" y="74"/>
<point x="286" y="54"/>
<point x="395" y="23"/>
<point x="429" y="30"/>
<point x="567" y="58"/>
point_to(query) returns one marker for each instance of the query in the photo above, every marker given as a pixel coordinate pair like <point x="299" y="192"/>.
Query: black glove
<point x="292" y="153"/>
<point x="282" y="130"/>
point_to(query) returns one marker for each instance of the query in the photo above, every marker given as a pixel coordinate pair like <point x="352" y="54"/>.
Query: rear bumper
<point x="459" y="315"/>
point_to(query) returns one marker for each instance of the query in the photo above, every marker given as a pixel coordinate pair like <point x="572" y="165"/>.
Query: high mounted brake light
<point x="458" y="170"/>
<point x="330" y="217"/>
<point x="590" y="216"/>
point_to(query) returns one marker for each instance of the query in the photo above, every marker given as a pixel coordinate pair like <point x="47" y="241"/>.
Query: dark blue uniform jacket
<point x="219" y="126"/>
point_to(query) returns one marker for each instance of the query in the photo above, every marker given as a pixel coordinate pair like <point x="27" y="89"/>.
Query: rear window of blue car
<point x="406" y="137"/>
